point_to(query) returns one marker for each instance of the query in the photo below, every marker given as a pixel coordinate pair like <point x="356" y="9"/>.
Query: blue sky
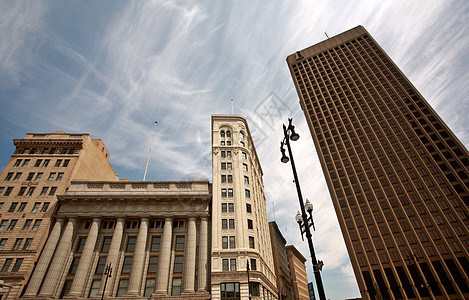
<point x="111" y="68"/>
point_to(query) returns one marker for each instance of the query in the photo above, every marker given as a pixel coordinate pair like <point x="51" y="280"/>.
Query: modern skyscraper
<point x="41" y="167"/>
<point x="240" y="230"/>
<point x="397" y="175"/>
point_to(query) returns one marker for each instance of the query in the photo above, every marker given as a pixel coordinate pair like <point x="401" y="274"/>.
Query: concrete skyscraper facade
<point x="397" y="175"/>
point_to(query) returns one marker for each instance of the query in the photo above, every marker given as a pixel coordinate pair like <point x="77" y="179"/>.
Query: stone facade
<point x="296" y="265"/>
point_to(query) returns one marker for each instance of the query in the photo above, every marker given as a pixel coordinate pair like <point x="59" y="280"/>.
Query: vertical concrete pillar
<point x="136" y="273"/>
<point x="203" y="249"/>
<point x="189" y="253"/>
<point x="164" y="258"/>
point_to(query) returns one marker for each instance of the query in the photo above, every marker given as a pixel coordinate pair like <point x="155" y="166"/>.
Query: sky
<point x="111" y="68"/>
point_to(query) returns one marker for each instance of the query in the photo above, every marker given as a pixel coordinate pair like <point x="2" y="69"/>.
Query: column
<point x="113" y="256"/>
<point x="164" y="258"/>
<point x="85" y="261"/>
<point x="189" y="253"/>
<point x="136" y="273"/>
<point x="44" y="260"/>
<point x="203" y="248"/>
<point x="56" y="267"/>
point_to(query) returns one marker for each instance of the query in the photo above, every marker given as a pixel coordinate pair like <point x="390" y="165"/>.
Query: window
<point x="51" y="176"/>
<point x="131" y="244"/>
<point x="17" y="265"/>
<point x="38" y="176"/>
<point x="153" y="264"/>
<point x="247" y="193"/>
<point x="228" y="154"/>
<point x="30" y="191"/>
<point x="27" y="243"/>
<point x="230" y="290"/>
<point x="25" y="163"/>
<point x="155" y="243"/>
<point x="36" y="207"/>
<point x="224" y="242"/>
<point x="149" y="287"/>
<point x="242" y="144"/>
<point x="243" y="155"/>
<point x="228" y="134"/>
<point x="52" y="191"/>
<point x="224" y="207"/>
<point x="66" y="288"/>
<point x="246" y="180"/>
<point x="17" y="163"/>
<point x="22" y="206"/>
<point x="179" y="243"/>
<point x="59" y="176"/>
<point x="106" y="244"/>
<point x="38" y="163"/>
<point x="223" y="178"/>
<point x="223" y="154"/>
<point x="17" y="176"/>
<point x="230" y="192"/>
<point x="6" y="265"/>
<point x="81" y="245"/>
<point x="100" y="265"/>
<point x="27" y="223"/>
<point x="229" y="166"/>
<point x="233" y="264"/>
<point x="8" y="177"/>
<point x="58" y="162"/>
<point x="8" y="191"/>
<point x="232" y="242"/>
<point x="66" y="162"/>
<point x="94" y="288"/>
<point x="230" y="178"/>
<point x="245" y="167"/>
<point x="222" y="134"/>
<point x="71" y="151"/>
<point x="223" y="166"/>
<point x="224" y="224"/>
<point x="30" y="176"/>
<point x="3" y="224"/>
<point x="176" y="287"/>
<point x="178" y="224"/>
<point x="225" y="264"/>
<point x="21" y="191"/>
<point x="248" y="208"/>
<point x="12" y="224"/>
<point x="2" y="243"/>
<point x="46" y="163"/>
<point x="13" y="207"/>
<point x="254" y="287"/>
<point x="232" y="223"/>
<point x="241" y="135"/>
<point x="222" y="143"/>
<point x="17" y="244"/>
<point x="223" y="193"/>
<point x="43" y="191"/>
<point x="122" y="288"/>
<point x="230" y="207"/>
<point x="253" y="264"/>
<point x="228" y="143"/>
<point x="127" y="264"/>
<point x="45" y="206"/>
<point x="178" y="261"/>
<point x="251" y="242"/>
<point x="250" y="226"/>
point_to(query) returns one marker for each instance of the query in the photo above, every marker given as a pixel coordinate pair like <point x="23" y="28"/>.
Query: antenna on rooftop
<point x="325" y="32"/>
<point x="149" y="152"/>
<point x="232" y="108"/>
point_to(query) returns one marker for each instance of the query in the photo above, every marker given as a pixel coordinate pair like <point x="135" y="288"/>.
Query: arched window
<point x="241" y="135"/>
<point x="222" y="134"/>
<point x="228" y="134"/>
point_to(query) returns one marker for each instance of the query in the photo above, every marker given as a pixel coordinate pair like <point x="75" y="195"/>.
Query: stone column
<point x="136" y="273"/>
<point x="189" y="253"/>
<point x="164" y="258"/>
<point x="203" y="249"/>
<point x="56" y="268"/>
<point x="113" y="256"/>
<point x="84" y="265"/>
<point x="44" y="260"/>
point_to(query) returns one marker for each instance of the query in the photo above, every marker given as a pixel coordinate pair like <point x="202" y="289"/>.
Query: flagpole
<point x="149" y="152"/>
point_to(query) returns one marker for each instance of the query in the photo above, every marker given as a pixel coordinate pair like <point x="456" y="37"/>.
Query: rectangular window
<point x="3" y="224"/>
<point x="37" y="223"/>
<point x="224" y="224"/>
<point x="59" y="176"/>
<point x="45" y="207"/>
<point x="228" y="154"/>
<point x="250" y="226"/>
<point x="13" y="207"/>
<point x="232" y="224"/>
<point x="6" y="265"/>
<point x="248" y="208"/>
<point x="9" y="190"/>
<point x="27" y="223"/>
<point x="230" y="178"/>
<point x="230" y="290"/>
<point x="149" y="287"/>
<point x="22" y="206"/>
<point x="230" y="207"/>
<point x="254" y="287"/>
<point x="38" y="176"/>
<point x="245" y="167"/>
<point x="25" y="163"/>
<point x="179" y="243"/>
<point x="71" y="151"/>
<point x="8" y="177"/>
<point x="43" y="191"/>
<point x="100" y="265"/>
<point x="131" y="244"/>
<point x="30" y="191"/>
<point x="66" y="162"/>
<point x="230" y="193"/>
<point x="127" y="264"/>
<point x="80" y="245"/>
<point x="246" y="180"/>
<point x="223" y="154"/>
<point x="155" y="243"/>
<point x="232" y="242"/>
<point x="224" y="207"/>
<point x="2" y="243"/>
<point x="176" y="287"/>
<point x="251" y="242"/>
<point x="229" y="166"/>
<point x="122" y="288"/>
<point x="223" y="193"/>
<point x="233" y="264"/>
<point x="224" y="242"/>
<point x="247" y="193"/>
<point x="106" y="244"/>
<point x="222" y="143"/>
<point x="17" y="176"/>
<point x="223" y="178"/>
<point x="52" y="191"/>
<point x="178" y="262"/>
<point x="243" y="155"/>
<point x="38" y="163"/>
<point x="12" y="224"/>
<point x="46" y="163"/>
<point x="36" y="207"/>
<point x="30" y="176"/>
<point x="223" y="166"/>
<point x="94" y="288"/>
<point x="51" y="176"/>
<point x="17" y="163"/>
<point x="17" y="244"/>
<point x="58" y="162"/>
<point x="153" y="264"/>
<point x="225" y="264"/>
<point x="253" y="264"/>
<point x="27" y="243"/>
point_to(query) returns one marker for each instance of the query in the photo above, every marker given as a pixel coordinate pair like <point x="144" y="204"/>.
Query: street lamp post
<point x="302" y="219"/>
<point x="107" y="273"/>
<point x="249" y="283"/>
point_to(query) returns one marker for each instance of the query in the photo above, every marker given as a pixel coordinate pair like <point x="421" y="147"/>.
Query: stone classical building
<point x="296" y="265"/>
<point x="282" y="270"/>
<point x="397" y="175"/>
<point x="41" y="167"/>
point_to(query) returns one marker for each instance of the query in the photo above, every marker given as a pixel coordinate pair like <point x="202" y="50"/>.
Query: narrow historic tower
<point x="240" y="230"/>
